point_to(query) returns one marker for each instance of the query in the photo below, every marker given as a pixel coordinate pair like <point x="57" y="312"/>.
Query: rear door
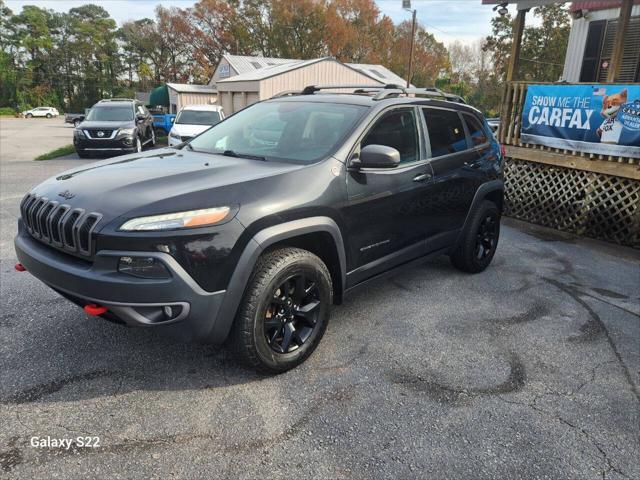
<point x="385" y="214"/>
<point x="455" y="182"/>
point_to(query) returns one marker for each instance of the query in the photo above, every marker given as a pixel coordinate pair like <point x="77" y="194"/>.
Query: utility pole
<point x="406" y="4"/>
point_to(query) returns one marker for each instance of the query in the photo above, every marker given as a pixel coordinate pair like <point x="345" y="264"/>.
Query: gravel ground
<point x="528" y="370"/>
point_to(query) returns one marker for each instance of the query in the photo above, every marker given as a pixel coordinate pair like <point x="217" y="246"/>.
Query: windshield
<point x="197" y="117"/>
<point x="111" y="114"/>
<point x="300" y="132"/>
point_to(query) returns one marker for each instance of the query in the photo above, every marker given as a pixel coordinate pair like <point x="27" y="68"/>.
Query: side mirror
<point x="377" y="156"/>
<point x="140" y="117"/>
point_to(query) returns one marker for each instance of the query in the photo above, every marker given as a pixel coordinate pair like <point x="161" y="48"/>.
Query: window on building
<point x="598" y="51"/>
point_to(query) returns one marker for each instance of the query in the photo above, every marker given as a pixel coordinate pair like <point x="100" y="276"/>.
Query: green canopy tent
<point x="159" y="97"/>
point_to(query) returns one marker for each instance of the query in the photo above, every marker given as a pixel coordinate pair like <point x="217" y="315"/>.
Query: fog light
<point x="143" y="267"/>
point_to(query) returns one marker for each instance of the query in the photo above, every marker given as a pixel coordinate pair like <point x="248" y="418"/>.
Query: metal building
<point x="241" y="81"/>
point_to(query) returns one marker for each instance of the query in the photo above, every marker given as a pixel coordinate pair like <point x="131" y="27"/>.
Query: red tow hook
<point x="20" y="267"/>
<point x="95" y="310"/>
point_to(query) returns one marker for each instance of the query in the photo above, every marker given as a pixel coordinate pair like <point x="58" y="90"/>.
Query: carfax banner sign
<point x="601" y="119"/>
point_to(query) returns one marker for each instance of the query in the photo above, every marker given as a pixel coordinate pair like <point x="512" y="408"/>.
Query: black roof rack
<point x="117" y="99"/>
<point x="381" y="91"/>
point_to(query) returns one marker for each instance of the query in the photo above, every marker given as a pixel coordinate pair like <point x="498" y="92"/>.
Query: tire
<point x="138" y="147"/>
<point x="82" y="153"/>
<point x="49" y="115"/>
<point x="479" y="240"/>
<point x="268" y="308"/>
<point x="29" y="115"/>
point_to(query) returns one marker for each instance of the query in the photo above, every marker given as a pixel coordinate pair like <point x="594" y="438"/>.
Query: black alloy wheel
<point x="292" y="314"/>
<point x="478" y="241"/>
<point x="487" y="236"/>
<point x="284" y="311"/>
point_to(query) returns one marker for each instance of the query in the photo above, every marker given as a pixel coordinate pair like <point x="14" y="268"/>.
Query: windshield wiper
<point x="231" y="153"/>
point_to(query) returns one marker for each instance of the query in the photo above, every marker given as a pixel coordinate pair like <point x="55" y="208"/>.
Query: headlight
<point x="127" y="131"/>
<point x="78" y="132"/>
<point x="171" y="221"/>
<point x="174" y="135"/>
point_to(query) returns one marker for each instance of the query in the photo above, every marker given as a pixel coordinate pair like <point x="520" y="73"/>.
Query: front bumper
<point x="135" y="301"/>
<point x="120" y="144"/>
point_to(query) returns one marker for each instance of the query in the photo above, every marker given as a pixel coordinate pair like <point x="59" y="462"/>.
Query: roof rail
<point x="433" y="92"/>
<point x="311" y="89"/>
<point x="381" y="91"/>
<point x="117" y="99"/>
<point x="286" y="93"/>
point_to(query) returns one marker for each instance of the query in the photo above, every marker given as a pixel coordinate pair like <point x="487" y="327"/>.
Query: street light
<point x="406" y="5"/>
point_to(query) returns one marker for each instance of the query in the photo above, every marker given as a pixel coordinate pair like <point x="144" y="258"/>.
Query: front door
<point x="385" y="212"/>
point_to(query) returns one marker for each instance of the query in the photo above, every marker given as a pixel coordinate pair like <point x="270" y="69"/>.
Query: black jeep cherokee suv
<point x="255" y="227"/>
<point x="113" y="127"/>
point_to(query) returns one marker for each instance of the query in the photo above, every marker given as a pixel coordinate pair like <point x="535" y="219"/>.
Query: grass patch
<point x="58" y="152"/>
<point x="163" y="140"/>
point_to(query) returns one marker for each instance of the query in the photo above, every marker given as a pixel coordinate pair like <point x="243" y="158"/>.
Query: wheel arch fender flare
<point x="254" y="248"/>
<point x="481" y="193"/>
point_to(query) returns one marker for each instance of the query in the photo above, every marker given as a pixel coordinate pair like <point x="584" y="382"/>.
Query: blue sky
<point x="448" y="20"/>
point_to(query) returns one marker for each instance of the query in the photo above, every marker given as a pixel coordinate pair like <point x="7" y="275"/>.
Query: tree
<point x="355" y="32"/>
<point x="212" y="25"/>
<point x="543" y="47"/>
<point x="430" y="58"/>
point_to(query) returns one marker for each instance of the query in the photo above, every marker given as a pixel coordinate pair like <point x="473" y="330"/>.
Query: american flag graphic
<point x="599" y="91"/>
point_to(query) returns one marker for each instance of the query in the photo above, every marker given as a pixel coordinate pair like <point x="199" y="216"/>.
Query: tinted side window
<point x="396" y="129"/>
<point x="476" y="130"/>
<point x="446" y="133"/>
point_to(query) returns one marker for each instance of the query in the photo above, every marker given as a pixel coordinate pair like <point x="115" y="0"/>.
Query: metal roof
<point x="272" y="71"/>
<point x="243" y="64"/>
<point x="258" y="68"/>
<point x="598" y="5"/>
<point x="189" y="88"/>
<point x="379" y="73"/>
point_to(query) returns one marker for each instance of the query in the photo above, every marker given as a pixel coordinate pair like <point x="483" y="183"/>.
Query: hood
<point x="160" y="181"/>
<point x="86" y="124"/>
<point x="186" y="130"/>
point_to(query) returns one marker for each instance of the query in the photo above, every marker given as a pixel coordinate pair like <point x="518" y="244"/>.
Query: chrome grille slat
<point x="61" y="226"/>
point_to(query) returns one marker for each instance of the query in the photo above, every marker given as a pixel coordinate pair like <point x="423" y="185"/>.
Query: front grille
<point x="59" y="225"/>
<point x="93" y="133"/>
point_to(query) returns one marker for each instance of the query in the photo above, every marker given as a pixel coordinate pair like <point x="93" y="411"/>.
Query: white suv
<point x="48" y="112"/>
<point x="193" y="120"/>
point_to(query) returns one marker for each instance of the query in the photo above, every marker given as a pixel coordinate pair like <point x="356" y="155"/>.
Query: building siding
<point x="234" y="96"/>
<point x="327" y="72"/>
<point x="578" y="40"/>
<point x="185" y="99"/>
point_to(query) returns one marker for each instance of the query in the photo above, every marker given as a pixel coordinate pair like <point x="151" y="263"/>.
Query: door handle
<point x="422" y="177"/>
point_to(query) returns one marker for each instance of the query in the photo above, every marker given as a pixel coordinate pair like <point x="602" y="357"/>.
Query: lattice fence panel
<point x="586" y="203"/>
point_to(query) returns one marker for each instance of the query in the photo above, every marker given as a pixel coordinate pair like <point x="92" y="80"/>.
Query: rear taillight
<point x="503" y="151"/>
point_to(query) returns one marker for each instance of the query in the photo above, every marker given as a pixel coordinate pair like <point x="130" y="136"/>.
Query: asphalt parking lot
<point x="528" y="370"/>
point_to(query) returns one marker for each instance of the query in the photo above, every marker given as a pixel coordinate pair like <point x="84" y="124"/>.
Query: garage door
<point x="238" y="101"/>
<point x="252" y="97"/>
<point x="225" y="101"/>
